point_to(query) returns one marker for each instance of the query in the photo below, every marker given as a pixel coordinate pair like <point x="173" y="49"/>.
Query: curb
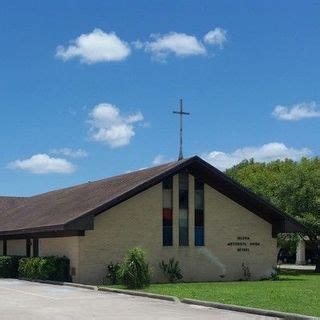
<point x="217" y="305"/>
<point x="263" y="312"/>
<point x="140" y="294"/>
<point x="60" y="283"/>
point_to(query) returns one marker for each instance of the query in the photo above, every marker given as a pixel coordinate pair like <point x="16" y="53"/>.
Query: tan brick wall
<point x="16" y="247"/>
<point x="62" y="246"/>
<point x="138" y="222"/>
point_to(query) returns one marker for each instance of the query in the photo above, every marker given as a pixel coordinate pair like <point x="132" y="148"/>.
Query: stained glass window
<point x="183" y="209"/>
<point x="199" y="213"/>
<point x="167" y="216"/>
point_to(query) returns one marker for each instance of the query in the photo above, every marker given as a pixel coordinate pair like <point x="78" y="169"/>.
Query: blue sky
<point x="87" y="88"/>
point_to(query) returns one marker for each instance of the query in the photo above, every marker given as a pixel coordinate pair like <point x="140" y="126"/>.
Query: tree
<point x="292" y="186"/>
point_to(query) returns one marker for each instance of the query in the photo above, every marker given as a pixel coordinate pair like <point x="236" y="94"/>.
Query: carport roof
<point x="73" y="209"/>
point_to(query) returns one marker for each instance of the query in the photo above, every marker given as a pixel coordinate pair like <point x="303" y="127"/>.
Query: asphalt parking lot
<point x="28" y="300"/>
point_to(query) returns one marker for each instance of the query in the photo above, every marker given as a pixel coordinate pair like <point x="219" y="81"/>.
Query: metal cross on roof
<point x="181" y="113"/>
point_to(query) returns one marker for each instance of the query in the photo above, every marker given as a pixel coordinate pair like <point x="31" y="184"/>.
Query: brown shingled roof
<point x="53" y="210"/>
<point x="74" y="208"/>
<point x="10" y="202"/>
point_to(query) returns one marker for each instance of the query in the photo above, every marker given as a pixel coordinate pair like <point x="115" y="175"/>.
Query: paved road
<point x="31" y="301"/>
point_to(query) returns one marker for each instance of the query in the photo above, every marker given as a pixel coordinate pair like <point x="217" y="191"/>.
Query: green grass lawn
<point x="297" y="292"/>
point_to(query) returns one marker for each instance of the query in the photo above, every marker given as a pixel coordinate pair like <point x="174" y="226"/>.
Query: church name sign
<point x="243" y="244"/>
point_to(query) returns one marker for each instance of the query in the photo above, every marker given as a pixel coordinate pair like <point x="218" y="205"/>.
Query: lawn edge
<point x="140" y="294"/>
<point x="263" y="312"/>
<point x="61" y="283"/>
<point x="211" y="304"/>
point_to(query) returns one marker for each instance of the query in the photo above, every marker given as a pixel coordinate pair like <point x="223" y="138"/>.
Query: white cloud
<point x="77" y="153"/>
<point x="160" y="159"/>
<point x="43" y="164"/>
<point x="296" y="112"/>
<point x="97" y="46"/>
<point x="109" y="127"/>
<point x="179" y="44"/>
<point x="265" y="153"/>
<point x="217" y="36"/>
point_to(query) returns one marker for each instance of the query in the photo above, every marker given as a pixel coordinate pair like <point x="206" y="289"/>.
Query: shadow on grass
<point x="289" y="279"/>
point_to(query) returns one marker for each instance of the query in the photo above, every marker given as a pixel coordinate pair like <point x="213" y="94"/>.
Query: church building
<point x="187" y="209"/>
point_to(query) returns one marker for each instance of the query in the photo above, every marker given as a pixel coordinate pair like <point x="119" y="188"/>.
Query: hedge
<point x="45" y="268"/>
<point x="9" y="266"/>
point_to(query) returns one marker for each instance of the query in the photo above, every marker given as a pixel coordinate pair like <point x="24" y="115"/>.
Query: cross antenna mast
<point x="181" y="113"/>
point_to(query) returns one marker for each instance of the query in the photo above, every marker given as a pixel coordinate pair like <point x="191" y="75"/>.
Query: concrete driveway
<point x="26" y="300"/>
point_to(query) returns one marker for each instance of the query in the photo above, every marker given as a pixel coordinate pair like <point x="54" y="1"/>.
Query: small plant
<point x="246" y="271"/>
<point x="275" y="274"/>
<point x="171" y="270"/>
<point x="134" y="271"/>
<point x="112" y="273"/>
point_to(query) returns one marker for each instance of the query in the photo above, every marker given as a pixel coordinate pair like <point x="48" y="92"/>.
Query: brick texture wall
<point x="16" y="247"/>
<point x="138" y="222"/>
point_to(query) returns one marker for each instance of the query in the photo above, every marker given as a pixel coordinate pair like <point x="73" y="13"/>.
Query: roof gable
<point x="74" y="208"/>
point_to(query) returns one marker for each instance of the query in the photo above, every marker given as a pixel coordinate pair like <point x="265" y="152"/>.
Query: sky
<point x="87" y="88"/>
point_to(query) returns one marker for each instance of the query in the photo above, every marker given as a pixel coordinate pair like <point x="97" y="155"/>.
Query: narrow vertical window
<point x="183" y="209"/>
<point x="167" y="212"/>
<point x="199" y="213"/>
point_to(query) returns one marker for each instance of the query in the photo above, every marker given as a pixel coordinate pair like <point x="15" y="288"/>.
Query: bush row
<point x="9" y="266"/>
<point x="42" y="268"/>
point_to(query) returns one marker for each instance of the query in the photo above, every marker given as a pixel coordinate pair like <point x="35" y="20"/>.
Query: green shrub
<point x="275" y="273"/>
<point x="112" y="273"/>
<point x="134" y="272"/>
<point x="9" y="266"/>
<point x="29" y="268"/>
<point x="45" y="268"/>
<point x="246" y="271"/>
<point x="171" y="270"/>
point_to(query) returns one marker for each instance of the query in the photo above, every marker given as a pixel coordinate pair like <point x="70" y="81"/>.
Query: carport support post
<point x="4" y="247"/>
<point x="301" y="252"/>
<point x="35" y="247"/>
<point x="28" y="247"/>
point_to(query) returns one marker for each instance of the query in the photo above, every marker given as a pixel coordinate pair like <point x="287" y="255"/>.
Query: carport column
<point x="28" y="247"/>
<point x="35" y="247"/>
<point x="301" y="252"/>
<point x="4" y="248"/>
